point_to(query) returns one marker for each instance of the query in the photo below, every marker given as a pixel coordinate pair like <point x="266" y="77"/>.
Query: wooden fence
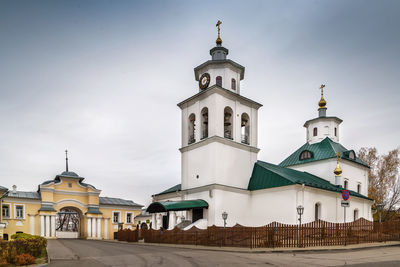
<point x="318" y="233"/>
<point x="127" y="235"/>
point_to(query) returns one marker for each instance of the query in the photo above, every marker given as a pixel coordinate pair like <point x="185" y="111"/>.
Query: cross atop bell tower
<point x="219" y="40"/>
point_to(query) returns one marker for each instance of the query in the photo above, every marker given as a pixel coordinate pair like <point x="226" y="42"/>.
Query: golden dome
<point x="219" y="41"/>
<point x="338" y="170"/>
<point x="322" y="102"/>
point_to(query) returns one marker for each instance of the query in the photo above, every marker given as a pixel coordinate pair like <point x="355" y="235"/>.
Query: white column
<point x="171" y="221"/>
<point x="94" y="230"/>
<point x="154" y="221"/>
<point x="47" y="225"/>
<point x="53" y="226"/>
<point x="105" y="228"/>
<point x="89" y="227"/>
<point x="32" y="224"/>
<point x="41" y="225"/>
<point x="98" y="227"/>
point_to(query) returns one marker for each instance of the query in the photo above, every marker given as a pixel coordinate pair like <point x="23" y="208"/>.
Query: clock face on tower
<point x="204" y="81"/>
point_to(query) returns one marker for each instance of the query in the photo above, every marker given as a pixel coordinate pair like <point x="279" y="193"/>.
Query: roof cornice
<point x="216" y="89"/>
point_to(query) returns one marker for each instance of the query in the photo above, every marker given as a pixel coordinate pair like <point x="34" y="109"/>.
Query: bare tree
<point x="383" y="178"/>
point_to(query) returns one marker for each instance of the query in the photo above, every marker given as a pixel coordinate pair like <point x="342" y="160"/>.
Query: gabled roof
<point x="171" y="190"/>
<point x="23" y="194"/>
<point x="117" y="201"/>
<point x="323" y="150"/>
<point x="267" y="175"/>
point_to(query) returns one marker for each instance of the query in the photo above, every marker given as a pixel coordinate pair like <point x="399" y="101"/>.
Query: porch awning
<point x="176" y="205"/>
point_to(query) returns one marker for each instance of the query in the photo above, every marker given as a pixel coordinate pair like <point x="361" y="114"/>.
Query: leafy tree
<point x="383" y="178"/>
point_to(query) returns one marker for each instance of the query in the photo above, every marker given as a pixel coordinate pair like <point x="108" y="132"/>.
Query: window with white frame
<point x="128" y="217"/>
<point x="6" y="211"/>
<point x="19" y="211"/>
<point x="115" y="217"/>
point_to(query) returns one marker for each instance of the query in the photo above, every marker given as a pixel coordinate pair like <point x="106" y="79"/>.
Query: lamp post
<point x="380" y="208"/>
<point x="300" y="211"/>
<point x="224" y="217"/>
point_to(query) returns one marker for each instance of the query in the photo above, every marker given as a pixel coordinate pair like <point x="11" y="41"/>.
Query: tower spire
<point x="338" y="170"/>
<point x="66" y="160"/>
<point x="219" y="40"/>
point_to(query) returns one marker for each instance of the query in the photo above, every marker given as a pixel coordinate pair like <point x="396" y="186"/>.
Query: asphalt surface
<point x="69" y="252"/>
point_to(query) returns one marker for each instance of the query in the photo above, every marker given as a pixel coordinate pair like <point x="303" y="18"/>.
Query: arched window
<point x="204" y="123"/>
<point x="359" y="188"/>
<point x="315" y="131"/>
<point x="346" y="184"/>
<point x="192" y="125"/>
<point x="352" y="155"/>
<point x="218" y="81"/>
<point x="355" y="214"/>
<point x="305" y="155"/>
<point x="245" y="129"/>
<point x="335" y="131"/>
<point x="317" y="211"/>
<point x="228" y="123"/>
<point x="233" y="84"/>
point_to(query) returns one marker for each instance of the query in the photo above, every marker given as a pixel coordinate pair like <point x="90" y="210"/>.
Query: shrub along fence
<point x="318" y="233"/>
<point x="21" y="247"/>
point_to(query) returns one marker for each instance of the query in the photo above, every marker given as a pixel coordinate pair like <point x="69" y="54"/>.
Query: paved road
<point x="100" y="253"/>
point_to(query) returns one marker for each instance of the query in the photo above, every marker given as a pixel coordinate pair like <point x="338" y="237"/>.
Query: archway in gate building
<point x="69" y="223"/>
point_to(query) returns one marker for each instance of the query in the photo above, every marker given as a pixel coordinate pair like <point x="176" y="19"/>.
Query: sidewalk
<point x="271" y="250"/>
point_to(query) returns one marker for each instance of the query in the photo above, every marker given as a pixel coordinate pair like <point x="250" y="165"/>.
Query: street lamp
<point x="224" y="217"/>
<point x="300" y="210"/>
<point x="380" y="208"/>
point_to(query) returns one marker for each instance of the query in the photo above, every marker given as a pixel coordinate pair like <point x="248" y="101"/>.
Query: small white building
<point x="221" y="173"/>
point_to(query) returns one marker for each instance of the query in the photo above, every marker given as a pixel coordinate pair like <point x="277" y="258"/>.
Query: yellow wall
<point x="21" y="224"/>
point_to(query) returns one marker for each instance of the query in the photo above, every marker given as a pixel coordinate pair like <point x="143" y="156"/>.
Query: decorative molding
<point x="221" y="140"/>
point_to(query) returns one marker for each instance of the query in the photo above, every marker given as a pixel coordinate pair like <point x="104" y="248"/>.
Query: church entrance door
<point x="68" y="223"/>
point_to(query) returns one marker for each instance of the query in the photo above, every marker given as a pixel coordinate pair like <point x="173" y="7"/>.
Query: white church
<point x="221" y="173"/>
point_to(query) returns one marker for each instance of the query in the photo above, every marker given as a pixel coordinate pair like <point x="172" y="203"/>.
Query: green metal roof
<point x="267" y="175"/>
<point x="323" y="150"/>
<point x="176" y="205"/>
<point x="171" y="190"/>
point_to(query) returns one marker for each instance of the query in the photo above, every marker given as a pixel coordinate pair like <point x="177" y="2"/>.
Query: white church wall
<point x="273" y="204"/>
<point x="326" y="128"/>
<point x="322" y="168"/>
<point x="217" y="163"/>
<point x="353" y="172"/>
<point x="226" y="72"/>
<point x="331" y="209"/>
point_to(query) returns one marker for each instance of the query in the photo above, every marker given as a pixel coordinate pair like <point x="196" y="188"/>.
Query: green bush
<point x="22" y="244"/>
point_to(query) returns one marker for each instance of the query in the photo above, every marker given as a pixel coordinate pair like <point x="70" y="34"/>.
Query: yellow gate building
<point x="65" y="207"/>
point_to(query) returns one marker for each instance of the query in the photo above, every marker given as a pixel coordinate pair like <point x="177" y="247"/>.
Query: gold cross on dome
<point x="322" y="88"/>
<point x="219" y="41"/>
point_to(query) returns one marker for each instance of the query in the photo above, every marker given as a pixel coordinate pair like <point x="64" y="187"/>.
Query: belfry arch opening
<point x="245" y="129"/>
<point x="204" y="123"/>
<point x="69" y="223"/>
<point x="228" y="123"/>
<point x="192" y="129"/>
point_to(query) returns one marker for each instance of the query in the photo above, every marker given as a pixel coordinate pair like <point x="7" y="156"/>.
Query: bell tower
<point x="322" y="126"/>
<point x="219" y="126"/>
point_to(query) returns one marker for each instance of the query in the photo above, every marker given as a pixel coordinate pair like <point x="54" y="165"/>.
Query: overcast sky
<point x="102" y="79"/>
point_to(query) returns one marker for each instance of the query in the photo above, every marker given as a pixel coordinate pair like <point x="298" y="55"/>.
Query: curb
<point x="265" y="250"/>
